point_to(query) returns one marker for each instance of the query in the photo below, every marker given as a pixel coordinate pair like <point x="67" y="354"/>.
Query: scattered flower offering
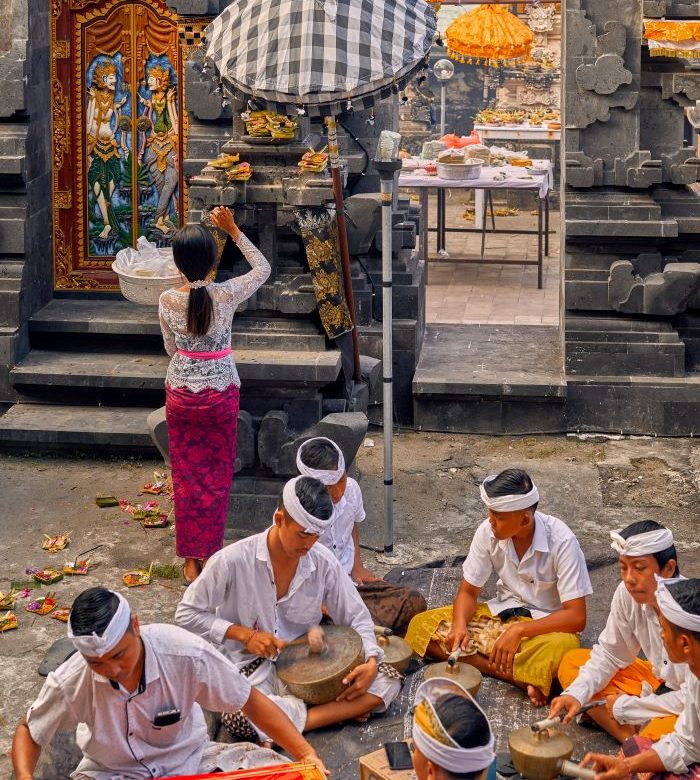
<point x="139" y="511"/>
<point x="133" y="579"/>
<point x="42" y="605"/>
<point x="45" y="576"/>
<point x="7" y="600"/>
<point x="62" y="614"/>
<point x="155" y="520"/>
<point x="76" y="567"/>
<point x="8" y="621"/>
<point x="154" y="488"/>
<point x="106" y="501"/>
<point x="55" y="543"/>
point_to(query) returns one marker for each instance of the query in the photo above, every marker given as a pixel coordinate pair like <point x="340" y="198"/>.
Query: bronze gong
<point x="317" y="678"/>
<point x="544" y="754"/>
<point x="467" y="676"/>
<point x="397" y="652"/>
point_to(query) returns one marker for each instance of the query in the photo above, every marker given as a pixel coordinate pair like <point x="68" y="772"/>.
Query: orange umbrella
<point x="490" y="34"/>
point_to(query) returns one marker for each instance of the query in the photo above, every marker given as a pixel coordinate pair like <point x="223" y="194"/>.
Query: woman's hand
<point x="223" y="218"/>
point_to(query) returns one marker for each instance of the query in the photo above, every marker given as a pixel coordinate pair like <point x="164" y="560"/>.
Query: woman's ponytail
<point x="200" y="311"/>
<point x="194" y="252"/>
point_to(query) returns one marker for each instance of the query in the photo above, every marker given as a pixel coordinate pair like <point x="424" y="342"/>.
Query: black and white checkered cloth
<point x="320" y="53"/>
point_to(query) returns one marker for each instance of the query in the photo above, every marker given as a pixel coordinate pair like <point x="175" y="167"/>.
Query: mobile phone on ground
<point x="399" y="755"/>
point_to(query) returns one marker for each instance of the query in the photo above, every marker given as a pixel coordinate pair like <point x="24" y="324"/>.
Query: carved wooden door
<point x="116" y="134"/>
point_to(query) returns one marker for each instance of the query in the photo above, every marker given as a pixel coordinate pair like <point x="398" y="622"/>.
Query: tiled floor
<point x="491" y="293"/>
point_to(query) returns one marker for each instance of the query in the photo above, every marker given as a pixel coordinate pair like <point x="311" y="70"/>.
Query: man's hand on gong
<point x="359" y="680"/>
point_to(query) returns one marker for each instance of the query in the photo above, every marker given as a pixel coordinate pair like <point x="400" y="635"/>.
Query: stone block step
<point x="63" y="318"/>
<point x="48" y="368"/>
<point x="52" y="427"/>
<point x="625" y="357"/>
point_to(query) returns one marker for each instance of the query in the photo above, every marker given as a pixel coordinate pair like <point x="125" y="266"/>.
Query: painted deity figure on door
<point x="158" y="144"/>
<point x="108" y="127"/>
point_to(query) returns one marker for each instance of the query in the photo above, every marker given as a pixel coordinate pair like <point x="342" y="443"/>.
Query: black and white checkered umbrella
<point x="320" y="53"/>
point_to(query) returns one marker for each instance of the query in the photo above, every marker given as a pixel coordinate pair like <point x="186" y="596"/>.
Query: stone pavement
<point x="594" y="484"/>
<point x="492" y="293"/>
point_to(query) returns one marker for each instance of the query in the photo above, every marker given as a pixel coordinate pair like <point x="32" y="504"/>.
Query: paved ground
<point x="594" y="484"/>
<point x="493" y="293"/>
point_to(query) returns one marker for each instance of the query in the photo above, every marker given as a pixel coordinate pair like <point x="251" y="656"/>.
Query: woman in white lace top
<point x="202" y="385"/>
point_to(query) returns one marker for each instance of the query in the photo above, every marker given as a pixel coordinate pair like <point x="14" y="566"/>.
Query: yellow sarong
<point x="628" y="680"/>
<point x="535" y="663"/>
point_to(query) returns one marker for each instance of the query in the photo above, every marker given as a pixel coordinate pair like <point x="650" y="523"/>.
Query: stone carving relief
<point x="541" y="18"/>
<point x="604" y="76"/>
<point x="660" y="293"/>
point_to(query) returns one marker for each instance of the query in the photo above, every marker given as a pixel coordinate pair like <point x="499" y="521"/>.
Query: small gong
<point x="464" y="674"/>
<point x="317" y="678"/>
<point x="537" y="755"/>
<point x="397" y="652"/>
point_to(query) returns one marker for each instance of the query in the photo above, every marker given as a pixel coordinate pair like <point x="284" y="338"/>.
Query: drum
<point x="317" y="678"/>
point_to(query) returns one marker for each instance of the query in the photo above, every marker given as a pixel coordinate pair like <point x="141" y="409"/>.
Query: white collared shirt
<point x="681" y="748"/>
<point x="237" y="587"/>
<point x="338" y="538"/>
<point x="630" y="627"/>
<point x="552" y="571"/>
<point x="115" y="728"/>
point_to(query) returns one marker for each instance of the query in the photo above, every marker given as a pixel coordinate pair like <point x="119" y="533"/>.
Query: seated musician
<point x="540" y="595"/>
<point x="135" y="695"/>
<point x="257" y="594"/>
<point x="676" y="754"/>
<point x="452" y="737"/>
<point x="389" y="605"/>
<point x="637" y="691"/>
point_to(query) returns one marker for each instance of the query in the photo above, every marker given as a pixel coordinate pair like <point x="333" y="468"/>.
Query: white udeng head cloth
<point x="647" y="543"/>
<point x="328" y="477"/>
<point x="508" y="503"/>
<point x="671" y="609"/>
<point x="444" y="751"/>
<point x="311" y="524"/>
<point x="97" y="646"/>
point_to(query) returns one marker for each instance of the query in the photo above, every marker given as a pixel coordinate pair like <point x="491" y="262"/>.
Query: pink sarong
<point x="636" y="745"/>
<point x="202" y="434"/>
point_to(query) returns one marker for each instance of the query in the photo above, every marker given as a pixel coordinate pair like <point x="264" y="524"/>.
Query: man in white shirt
<point x="135" y="696"/>
<point x="541" y="591"/>
<point x="612" y="669"/>
<point x="390" y="605"/>
<point x="258" y="594"/>
<point x="678" y="753"/>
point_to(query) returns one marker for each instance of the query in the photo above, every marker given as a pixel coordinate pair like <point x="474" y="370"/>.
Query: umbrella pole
<point x="343" y="235"/>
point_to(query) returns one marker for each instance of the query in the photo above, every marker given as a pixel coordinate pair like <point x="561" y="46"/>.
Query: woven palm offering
<point x="484" y="631"/>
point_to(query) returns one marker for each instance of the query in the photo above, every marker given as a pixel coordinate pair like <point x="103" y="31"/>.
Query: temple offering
<point x="45" y="576"/>
<point x="268" y="124"/>
<point x="55" y="543"/>
<point x="138" y="577"/>
<point x="73" y="568"/>
<point x="106" y="501"/>
<point x="8" y="621"/>
<point x="8" y="600"/>
<point x="155" y="520"/>
<point x="224" y="162"/>
<point x="61" y="613"/>
<point x="313" y="161"/>
<point x="241" y="172"/>
<point x="42" y="605"/>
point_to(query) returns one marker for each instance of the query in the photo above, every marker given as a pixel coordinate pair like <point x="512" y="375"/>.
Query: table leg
<point x="493" y="216"/>
<point x="487" y="196"/>
<point x="424" y="215"/>
<point x="479" y="196"/>
<point x="441" y="222"/>
<point x="546" y="225"/>
<point x="539" y="243"/>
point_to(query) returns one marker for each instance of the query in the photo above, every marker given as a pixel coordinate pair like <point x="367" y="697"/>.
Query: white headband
<point x="647" y="543"/>
<point x="453" y="758"/>
<point x="508" y="503"/>
<point x="671" y="609"/>
<point x="328" y="477"/>
<point x="311" y="524"/>
<point x="97" y="646"/>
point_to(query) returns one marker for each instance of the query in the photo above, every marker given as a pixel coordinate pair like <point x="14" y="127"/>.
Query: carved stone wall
<point x="632" y="277"/>
<point x="25" y="176"/>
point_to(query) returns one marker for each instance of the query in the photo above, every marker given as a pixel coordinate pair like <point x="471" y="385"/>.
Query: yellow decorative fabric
<point x="427" y="721"/>
<point x="489" y="34"/>
<point x="536" y="663"/>
<point x="671" y="31"/>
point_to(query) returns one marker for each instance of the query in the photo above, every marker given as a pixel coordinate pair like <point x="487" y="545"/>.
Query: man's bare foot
<point x="536" y="696"/>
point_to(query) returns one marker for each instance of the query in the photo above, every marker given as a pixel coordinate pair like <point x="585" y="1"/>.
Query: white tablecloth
<point x="523" y="132"/>
<point x="515" y="179"/>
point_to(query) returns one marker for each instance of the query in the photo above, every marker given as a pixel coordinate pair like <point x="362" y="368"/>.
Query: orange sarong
<point x="628" y="680"/>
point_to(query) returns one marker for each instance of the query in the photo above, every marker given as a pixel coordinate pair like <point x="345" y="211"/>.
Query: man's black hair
<point x="320" y="455"/>
<point x="466" y="724"/>
<point x="511" y="482"/>
<point x="313" y="496"/>
<point x="643" y="527"/>
<point x="687" y="595"/>
<point x="92" y="611"/>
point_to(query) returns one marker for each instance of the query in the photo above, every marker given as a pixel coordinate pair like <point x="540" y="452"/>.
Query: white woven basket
<point x="459" y="171"/>
<point x="145" y="289"/>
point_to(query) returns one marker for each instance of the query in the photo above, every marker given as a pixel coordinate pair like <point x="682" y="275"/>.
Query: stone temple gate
<point x="86" y="368"/>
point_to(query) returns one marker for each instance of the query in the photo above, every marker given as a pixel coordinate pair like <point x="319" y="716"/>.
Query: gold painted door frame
<point x="117" y="134"/>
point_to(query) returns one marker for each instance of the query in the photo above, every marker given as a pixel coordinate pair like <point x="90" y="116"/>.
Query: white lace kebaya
<point x="221" y="373"/>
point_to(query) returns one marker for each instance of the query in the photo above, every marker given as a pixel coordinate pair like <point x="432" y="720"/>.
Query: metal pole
<point x="386" y="172"/>
<point x="443" y="94"/>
